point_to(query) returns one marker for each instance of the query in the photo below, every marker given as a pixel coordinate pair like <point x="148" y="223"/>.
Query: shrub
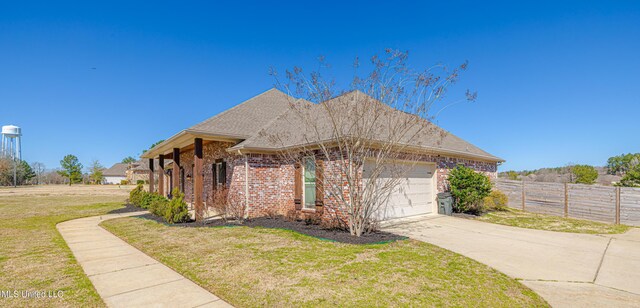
<point x="584" y="174"/>
<point x="496" y="201"/>
<point x="136" y="195"/>
<point x="140" y="182"/>
<point x="148" y="198"/>
<point x="176" y="210"/>
<point x="468" y="189"/>
<point x="158" y="206"/>
<point x="124" y="182"/>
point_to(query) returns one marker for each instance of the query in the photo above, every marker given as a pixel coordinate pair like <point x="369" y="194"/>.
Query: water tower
<point x="11" y="136"/>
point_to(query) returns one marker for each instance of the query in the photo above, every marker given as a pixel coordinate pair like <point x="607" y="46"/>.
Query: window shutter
<point x="319" y="182"/>
<point x="223" y="173"/>
<point x="214" y="175"/>
<point x="297" y="186"/>
<point x="181" y="179"/>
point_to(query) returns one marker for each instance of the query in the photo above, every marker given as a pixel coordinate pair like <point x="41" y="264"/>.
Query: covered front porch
<point x="195" y="164"/>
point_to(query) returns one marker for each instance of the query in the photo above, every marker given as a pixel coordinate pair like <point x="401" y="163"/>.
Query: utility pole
<point x="15" y="172"/>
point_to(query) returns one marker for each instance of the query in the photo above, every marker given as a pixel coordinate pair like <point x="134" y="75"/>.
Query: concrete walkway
<point x="567" y="269"/>
<point x="126" y="277"/>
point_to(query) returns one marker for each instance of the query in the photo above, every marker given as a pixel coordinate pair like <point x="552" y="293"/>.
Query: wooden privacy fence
<point x="593" y="202"/>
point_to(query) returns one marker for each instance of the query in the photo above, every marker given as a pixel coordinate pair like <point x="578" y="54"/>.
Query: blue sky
<point x="557" y="82"/>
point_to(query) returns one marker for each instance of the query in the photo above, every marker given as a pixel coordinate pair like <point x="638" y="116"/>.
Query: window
<point x="309" y="178"/>
<point x="220" y="177"/>
<point x="219" y="173"/>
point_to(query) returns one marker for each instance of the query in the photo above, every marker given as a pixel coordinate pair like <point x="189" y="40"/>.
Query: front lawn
<point x="255" y="267"/>
<point x="33" y="255"/>
<point x="518" y="218"/>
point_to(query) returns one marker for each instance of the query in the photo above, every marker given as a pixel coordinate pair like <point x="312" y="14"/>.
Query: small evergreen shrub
<point x="158" y="206"/>
<point x="140" y="182"/>
<point x="176" y="210"/>
<point x="149" y="198"/>
<point x="496" y="201"/>
<point x="468" y="188"/>
<point x="136" y="195"/>
<point x="124" y="182"/>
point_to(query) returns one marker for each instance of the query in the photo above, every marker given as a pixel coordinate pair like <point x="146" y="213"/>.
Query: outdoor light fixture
<point x="189" y="177"/>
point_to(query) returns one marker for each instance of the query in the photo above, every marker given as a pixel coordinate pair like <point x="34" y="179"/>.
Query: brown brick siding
<point x="271" y="180"/>
<point x="210" y="153"/>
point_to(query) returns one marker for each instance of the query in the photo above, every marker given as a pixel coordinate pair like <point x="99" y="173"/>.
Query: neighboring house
<point x="116" y="174"/>
<point x="230" y="150"/>
<point x="139" y="171"/>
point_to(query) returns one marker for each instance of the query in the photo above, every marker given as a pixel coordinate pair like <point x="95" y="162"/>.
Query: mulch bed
<point x="128" y="208"/>
<point x="465" y="215"/>
<point x="280" y="222"/>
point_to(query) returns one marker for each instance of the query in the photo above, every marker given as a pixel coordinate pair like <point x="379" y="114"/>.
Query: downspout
<point x="246" y="184"/>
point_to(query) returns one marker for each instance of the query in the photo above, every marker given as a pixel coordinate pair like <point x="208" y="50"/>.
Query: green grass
<point x="256" y="267"/>
<point x="517" y="218"/>
<point x="33" y="255"/>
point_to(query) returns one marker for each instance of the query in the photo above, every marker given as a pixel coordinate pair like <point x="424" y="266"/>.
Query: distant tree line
<point x="621" y="170"/>
<point x="23" y="171"/>
<point x="36" y="173"/>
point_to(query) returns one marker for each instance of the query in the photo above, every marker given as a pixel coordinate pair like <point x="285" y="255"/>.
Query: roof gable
<point x="118" y="169"/>
<point x="246" y="119"/>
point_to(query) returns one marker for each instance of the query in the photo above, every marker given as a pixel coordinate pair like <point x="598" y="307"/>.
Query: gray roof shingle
<point x="247" y="118"/>
<point x="289" y="131"/>
<point x="118" y="169"/>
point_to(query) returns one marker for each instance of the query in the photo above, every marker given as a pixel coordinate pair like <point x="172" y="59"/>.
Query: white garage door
<point x="413" y="196"/>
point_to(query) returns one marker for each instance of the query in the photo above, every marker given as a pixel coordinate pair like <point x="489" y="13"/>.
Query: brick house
<point x="230" y="150"/>
<point x="139" y="171"/>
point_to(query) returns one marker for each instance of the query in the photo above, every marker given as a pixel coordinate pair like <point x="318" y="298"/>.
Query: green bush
<point x="140" y="182"/>
<point x="158" y="206"/>
<point x="468" y="189"/>
<point x="136" y="195"/>
<point x="584" y="174"/>
<point x="496" y="201"/>
<point x="148" y="198"/>
<point x="176" y="210"/>
<point x="124" y="182"/>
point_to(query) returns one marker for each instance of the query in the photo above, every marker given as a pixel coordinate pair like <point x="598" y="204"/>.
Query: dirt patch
<point x="280" y="222"/>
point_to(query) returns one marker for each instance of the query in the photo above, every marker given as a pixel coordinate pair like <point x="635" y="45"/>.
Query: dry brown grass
<point x="33" y="255"/>
<point x="66" y="190"/>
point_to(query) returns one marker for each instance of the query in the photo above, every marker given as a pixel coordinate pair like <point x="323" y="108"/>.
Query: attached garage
<point x="415" y="195"/>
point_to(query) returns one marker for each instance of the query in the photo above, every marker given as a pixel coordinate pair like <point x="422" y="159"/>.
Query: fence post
<point x="523" y="196"/>
<point x="566" y="200"/>
<point x="617" y="205"/>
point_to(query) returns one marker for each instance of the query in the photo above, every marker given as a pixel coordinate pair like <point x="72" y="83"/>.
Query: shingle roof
<point x="117" y="169"/>
<point x="247" y="118"/>
<point x="289" y="131"/>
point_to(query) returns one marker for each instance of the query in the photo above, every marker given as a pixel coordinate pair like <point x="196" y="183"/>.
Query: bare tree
<point x="226" y="206"/>
<point x="53" y="177"/>
<point x="39" y="169"/>
<point x="358" y="133"/>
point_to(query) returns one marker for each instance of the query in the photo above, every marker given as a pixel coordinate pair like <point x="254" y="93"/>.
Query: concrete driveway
<point x="567" y="269"/>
